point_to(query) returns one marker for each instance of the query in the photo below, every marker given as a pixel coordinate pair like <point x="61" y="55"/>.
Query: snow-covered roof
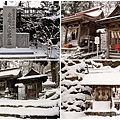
<point x="49" y="83"/>
<point x="31" y="77"/>
<point x="112" y="79"/>
<point x="93" y="13"/>
<point x="9" y="72"/>
<point x="114" y="15"/>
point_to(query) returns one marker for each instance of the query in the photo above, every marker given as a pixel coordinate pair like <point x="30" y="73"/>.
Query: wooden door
<point x="31" y="91"/>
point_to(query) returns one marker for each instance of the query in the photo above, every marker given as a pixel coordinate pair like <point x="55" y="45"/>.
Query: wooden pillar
<point x="100" y="42"/>
<point x="88" y="45"/>
<point x="26" y="92"/>
<point x="40" y="90"/>
<point x="115" y="89"/>
<point x="36" y="90"/>
<point x="92" y="46"/>
<point x="79" y="31"/>
<point x="65" y="42"/>
<point x="108" y="41"/>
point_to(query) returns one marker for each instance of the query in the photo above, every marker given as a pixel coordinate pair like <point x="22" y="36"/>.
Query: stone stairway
<point x="32" y="109"/>
<point x="114" y="54"/>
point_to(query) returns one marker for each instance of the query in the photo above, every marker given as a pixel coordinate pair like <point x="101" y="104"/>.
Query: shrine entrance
<point x="33" y="83"/>
<point x="114" y="40"/>
<point x="102" y="94"/>
<point x="31" y="91"/>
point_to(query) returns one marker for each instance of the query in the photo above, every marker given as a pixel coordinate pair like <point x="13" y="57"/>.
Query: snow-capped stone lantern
<point x="6" y="92"/>
<point x="97" y="42"/>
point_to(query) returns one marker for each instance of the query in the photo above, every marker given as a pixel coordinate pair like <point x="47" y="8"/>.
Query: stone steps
<point x="33" y="109"/>
<point x="114" y="55"/>
<point x="22" y="112"/>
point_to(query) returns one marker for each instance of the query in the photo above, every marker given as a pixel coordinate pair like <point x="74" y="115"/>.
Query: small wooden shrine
<point x="80" y="29"/>
<point x="8" y="78"/>
<point x="105" y="99"/>
<point x="33" y="83"/>
<point x="112" y="26"/>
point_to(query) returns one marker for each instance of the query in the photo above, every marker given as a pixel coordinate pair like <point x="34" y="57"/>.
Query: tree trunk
<point x="53" y="71"/>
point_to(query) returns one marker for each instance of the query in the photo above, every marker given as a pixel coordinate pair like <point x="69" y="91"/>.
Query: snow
<point x="72" y="89"/>
<point x="8" y="72"/>
<point x="82" y="116"/>
<point x="101" y="106"/>
<point x="94" y="13"/>
<point x="15" y="50"/>
<point x="48" y="82"/>
<point x="30" y="111"/>
<point x="71" y="70"/>
<point x="19" y="85"/>
<point x="66" y="82"/>
<point x="29" y="107"/>
<point x="35" y="103"/>
<point x="52" y="17"/>
<point x="101" y="79"/>
<point x="31" y="77"/>
<point x="74" y="94"/>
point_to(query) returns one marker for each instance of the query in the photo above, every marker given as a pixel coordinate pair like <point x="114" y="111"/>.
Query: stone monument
<point x="9" y="38"/>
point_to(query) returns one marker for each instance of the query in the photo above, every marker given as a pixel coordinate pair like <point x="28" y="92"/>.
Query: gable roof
<point x="113" y="17"/>
<point x="91" y="14"/>
<point x="34" y="76"/>
<point x="32" y="72"/>
<point x="115" y="12"/>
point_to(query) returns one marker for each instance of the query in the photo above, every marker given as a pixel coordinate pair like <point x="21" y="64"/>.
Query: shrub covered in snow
<point x="73" y="95"/>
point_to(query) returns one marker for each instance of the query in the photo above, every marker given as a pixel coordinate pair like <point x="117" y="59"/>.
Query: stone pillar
<point x="9" y="26"/>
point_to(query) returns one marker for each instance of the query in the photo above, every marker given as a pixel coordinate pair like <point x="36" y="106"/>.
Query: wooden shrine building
<point x="8" y="80"/>
<point x="80" y="29"/>
<point x="105" y="97"/>
<point x="112" y="26"/>
<point x="33" y="83"/>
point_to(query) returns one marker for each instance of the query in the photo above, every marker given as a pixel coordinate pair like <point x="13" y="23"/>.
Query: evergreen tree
<point x="72" y="7"/>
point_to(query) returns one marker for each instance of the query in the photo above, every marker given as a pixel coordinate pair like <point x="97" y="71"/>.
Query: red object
<point x="117" y="47"/>
<point x="68" y="46"/>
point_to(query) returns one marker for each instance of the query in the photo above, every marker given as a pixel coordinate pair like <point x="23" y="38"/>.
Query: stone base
<point x="16" y="51"/>
<point x="101" y="113"/>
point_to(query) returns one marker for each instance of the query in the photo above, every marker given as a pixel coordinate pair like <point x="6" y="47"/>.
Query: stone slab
<point x="9" y="26"/>
<point x="22" y="40"/>
<point x="16" y="51"/>
<point x="1" y="39"/>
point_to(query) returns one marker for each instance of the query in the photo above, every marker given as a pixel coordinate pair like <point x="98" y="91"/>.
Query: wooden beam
<point x="65" y="42"/>
<point x="108" y="41"/>
<point x="36" y="90"/>
<point x="79" y="34"/>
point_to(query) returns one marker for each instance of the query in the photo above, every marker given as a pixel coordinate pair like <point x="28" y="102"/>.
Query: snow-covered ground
<point x="46" y="106"/>
<point x="40" y="52"/>
<point x="81" y="115"/>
